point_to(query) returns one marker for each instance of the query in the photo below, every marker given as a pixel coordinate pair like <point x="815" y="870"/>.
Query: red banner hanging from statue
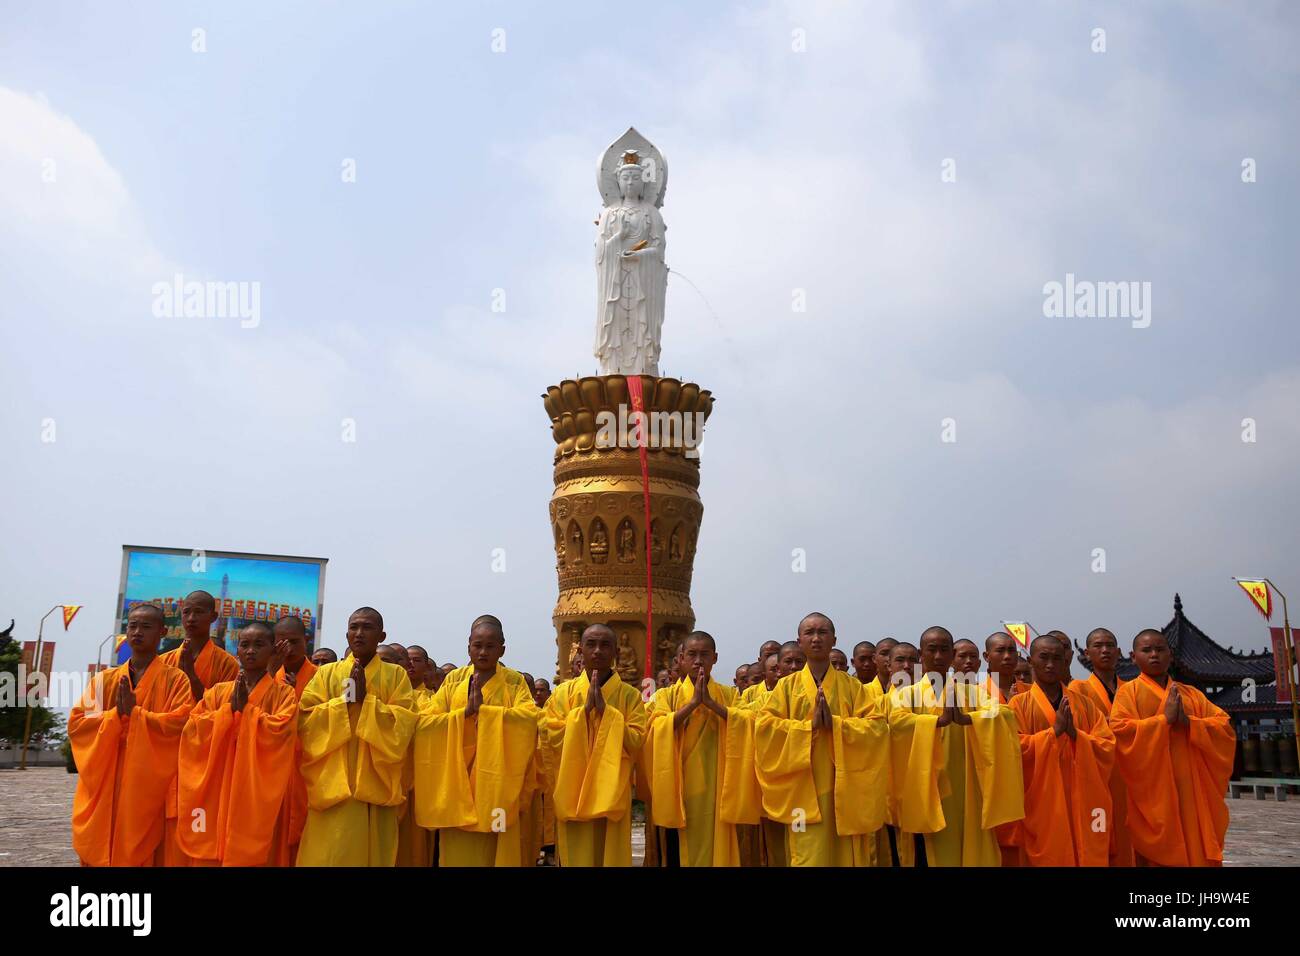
<point x="637" y="394"/>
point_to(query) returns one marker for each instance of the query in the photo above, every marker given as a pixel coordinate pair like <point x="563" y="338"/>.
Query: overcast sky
<point x="807" y="144"/>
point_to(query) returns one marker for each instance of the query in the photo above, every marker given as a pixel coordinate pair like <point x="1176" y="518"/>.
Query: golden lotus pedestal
<point x="598" y="514"/>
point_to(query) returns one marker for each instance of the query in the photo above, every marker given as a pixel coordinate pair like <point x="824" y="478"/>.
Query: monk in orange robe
<point x="206" y="665"/>
<point x="236" y="760"/>
<point x="292" y="668"/>
<point x="1175" y="750"/>
<point x="1102" y="685"/>
<point x="125" y="734"/>
<point x="1067" y="753"/>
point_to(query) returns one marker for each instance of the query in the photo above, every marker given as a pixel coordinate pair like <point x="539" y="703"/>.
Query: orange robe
<point x="1176" y="776"/>
<point x="126" y="765"/>
<point x="1009" y="835"/>
<point x="1121" y="847"/>
<point x="293" y="812"/>
<point x="213" y="666"/>
<point x="233" y="772"/>
<point x="1067" y="782"/>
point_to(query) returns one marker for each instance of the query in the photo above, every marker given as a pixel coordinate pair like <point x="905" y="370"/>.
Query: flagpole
<point x="36" y="663"/>
<point x="1288" y="646"/>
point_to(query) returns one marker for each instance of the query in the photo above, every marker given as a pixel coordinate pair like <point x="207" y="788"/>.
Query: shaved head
<point x="201" y="598"/>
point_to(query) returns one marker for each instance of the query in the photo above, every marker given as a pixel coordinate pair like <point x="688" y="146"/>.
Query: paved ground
<point x="35" y="806"/>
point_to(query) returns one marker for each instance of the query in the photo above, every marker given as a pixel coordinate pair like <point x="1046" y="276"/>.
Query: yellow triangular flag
<point x="1260" y="594"/>
<point x="69" y="612"/>
<point x="1019" y="631"/>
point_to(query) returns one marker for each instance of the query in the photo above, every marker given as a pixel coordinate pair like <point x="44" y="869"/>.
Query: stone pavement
<point x="35" y="806"/>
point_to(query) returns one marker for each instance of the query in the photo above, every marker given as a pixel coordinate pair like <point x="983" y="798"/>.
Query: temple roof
<point x="1265" y="701"/>
<point x="1198" y="659"/>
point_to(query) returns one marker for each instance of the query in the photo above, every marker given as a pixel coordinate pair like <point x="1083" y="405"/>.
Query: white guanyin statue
<point x="631" y="276"/>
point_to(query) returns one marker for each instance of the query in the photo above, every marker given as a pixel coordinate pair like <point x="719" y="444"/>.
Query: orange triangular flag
<point x="69" y="612"/>
<point x="1260" y="594"/>
<point x="1020" y="631"/>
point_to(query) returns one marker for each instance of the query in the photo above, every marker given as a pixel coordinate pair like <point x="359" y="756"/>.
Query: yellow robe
<point x="685" y="770"/>
<point x="592" y="761"/>
<point x="826" y="787"/>
<point x="957" y="783"/>
<point x="414" y="843"/>
<point x="469" y="771"/>
<point x="352" y="763"/>
<point x="234" y="771"/>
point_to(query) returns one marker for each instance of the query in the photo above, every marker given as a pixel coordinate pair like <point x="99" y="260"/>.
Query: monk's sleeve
<point x="663" y="766"/>
<point x="443" y="795"/>
<point x="205" y="751"/>
<point x="385" y="725"/>
<point x="1142" y="757"/>
<point x="861" y="761"/>
<point x="1094" y="761"/>
<point x="551" y="725"/>
<point x="916" y="761"/>
<point x="95" y="734"/>
<point x="1212" y="738"/>
<point x="323" y="725"/>
<point x="783" y="760"/>
<point x="507" y="741"/>
<point x="262" y="766"/>
<point x="742" y="799"/>
<point x="994" y="740"/>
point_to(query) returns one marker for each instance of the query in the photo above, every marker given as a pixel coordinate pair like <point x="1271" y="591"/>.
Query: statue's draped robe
<point x="126" y="766"/>
<point x="352" y="761"/>
<point x="630" y="291"/>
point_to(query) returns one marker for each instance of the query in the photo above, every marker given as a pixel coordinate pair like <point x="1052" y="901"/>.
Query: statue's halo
<point x="610" y="160"/>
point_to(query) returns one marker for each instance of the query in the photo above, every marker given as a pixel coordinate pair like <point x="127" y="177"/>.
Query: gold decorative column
<point x="598" y="514"/>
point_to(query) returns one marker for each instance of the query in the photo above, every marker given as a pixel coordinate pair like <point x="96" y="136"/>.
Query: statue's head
<point x="631" y="180"/>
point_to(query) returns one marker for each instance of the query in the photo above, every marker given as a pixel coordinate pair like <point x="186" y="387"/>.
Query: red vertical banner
<point x="1279" y="664"/>
<point x="29" y="656"/>
<point x="47" y="660"/>
<point x="634" y="389"/>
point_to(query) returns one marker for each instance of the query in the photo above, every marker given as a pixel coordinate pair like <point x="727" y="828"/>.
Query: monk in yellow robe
<point x="881" y="686"/>
<point x="413" y="846"/>
<point x="355" y="722"/>
<point x="1068" y="752"/>
<point x="685" y="758"/>
<point x="474" y="744"/>
<point x="1175" y="750"/>
<point x="864" y="662"/>
<point x="593" y="729"/>
<point x="125" y="734"/>
<point x="543" y="798"/>
<point x="1001" y="660"/>
<point x="206" y="665"/>
<point x="956" y="762"/>
<point x="236" y="760"/>
<point x="820" y="747"/>
<point x="292" y="668"/>
<point x="1101" y="686"/>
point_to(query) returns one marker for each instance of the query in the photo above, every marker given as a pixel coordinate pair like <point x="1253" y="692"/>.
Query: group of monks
<point x="933" y="754"/>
